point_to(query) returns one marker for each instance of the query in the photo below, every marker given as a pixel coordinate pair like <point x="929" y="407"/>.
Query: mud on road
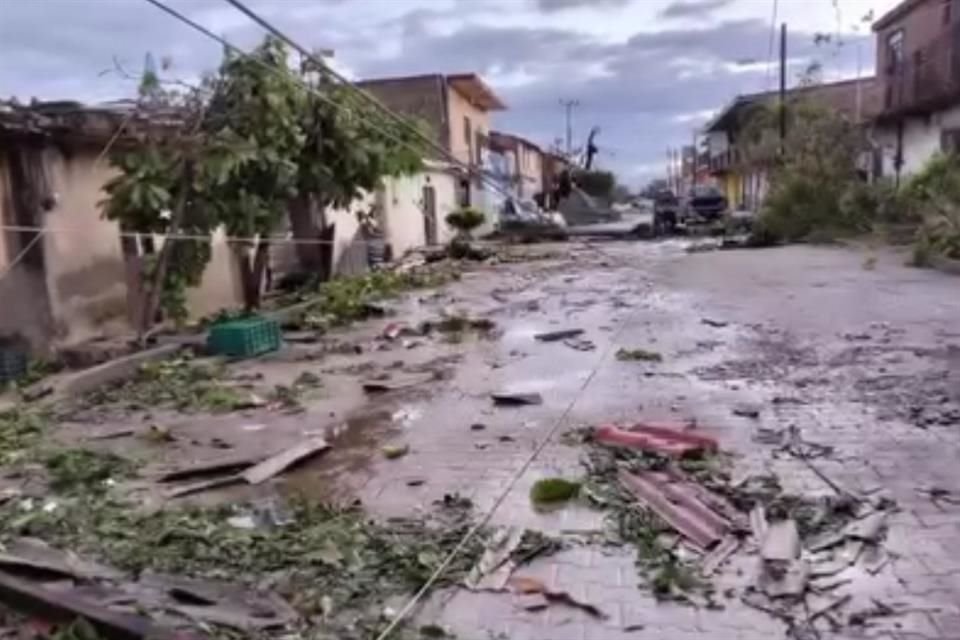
<point x="864" y="362"/>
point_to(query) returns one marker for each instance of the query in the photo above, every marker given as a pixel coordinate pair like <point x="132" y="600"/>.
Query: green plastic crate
<point x="244" y="338"/>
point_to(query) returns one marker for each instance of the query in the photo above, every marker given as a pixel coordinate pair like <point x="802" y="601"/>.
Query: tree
<point x="239" y="153"/>
<point x="596" y="183"/>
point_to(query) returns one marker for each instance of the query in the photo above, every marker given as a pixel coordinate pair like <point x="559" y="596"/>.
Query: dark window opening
<point x="895" y="51"/>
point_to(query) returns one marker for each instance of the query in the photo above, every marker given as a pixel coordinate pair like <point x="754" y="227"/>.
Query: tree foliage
<point x="236" y="153"/>
<point x="812" y="179"/>
<point x="599" y="184"/>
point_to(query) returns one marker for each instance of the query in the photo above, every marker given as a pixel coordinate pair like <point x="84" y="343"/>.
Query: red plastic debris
<point x="684" y="505"/>
<point x="391" y="331"/>
<point x="668" y="441"/>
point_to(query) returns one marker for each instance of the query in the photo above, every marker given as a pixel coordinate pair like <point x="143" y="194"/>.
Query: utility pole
<point x="568" y="106"/>
<point x="783" y="86"/>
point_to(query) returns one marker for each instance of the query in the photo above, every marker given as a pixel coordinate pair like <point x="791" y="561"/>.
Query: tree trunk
<point x="252" y="271"/>
<point x="306" y="225"/>
<point x="152" y="300"/>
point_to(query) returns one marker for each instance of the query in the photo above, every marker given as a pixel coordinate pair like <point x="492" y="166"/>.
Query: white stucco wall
<point x="921" y="140"/>
<point x="84" y="264"/>
<point x="404" y="213"/>
<point x="221" y="287"/>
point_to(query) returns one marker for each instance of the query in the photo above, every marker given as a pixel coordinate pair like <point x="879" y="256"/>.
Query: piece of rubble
<point x="779" y="579"/>
<point x="718" y="324"/>
<point x="562" y="334"/>
<point x="747" y="411"/>
<point x="495" y="566"/>
<point x="531" y="586"/>
<point x="867" y="529"/>
<point x="508" y="399"/>
<point x="781" y="542"/>
<point x="668" y="441"/>
<point x="713" y="560"/>
<point x="680" y="505"/>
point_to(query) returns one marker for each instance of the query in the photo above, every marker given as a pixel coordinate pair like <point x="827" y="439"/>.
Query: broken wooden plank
<point x="203" y="485"/>
<point x="286" y="458"/>
<point x="216" y="466"/>
<point x="64" y="607"/>
<point x="31" y="555"/>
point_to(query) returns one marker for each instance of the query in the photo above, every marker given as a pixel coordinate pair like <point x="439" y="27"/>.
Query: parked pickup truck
<point x="706" y="203"/>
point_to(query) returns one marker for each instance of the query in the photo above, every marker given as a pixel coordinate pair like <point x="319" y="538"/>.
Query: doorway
<point x="430" y="214"/>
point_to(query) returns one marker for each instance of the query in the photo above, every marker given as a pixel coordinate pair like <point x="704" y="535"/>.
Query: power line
<point x="390" y="136"/>
<point x="366" y="97"/>
<point x="40" y="231"/>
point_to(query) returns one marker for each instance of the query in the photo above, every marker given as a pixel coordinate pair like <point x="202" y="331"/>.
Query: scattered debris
<point x="680" y="504"/>
<point x="553" y="490"/>
<point x="781" y="542"/>
<point x="746" y="411"/>
<point x="496" y="565"/>
<point x="394" y="451"/>
<point x="713" y="560"/>
<point x="531" y="586"/>
<point x="383" y="386"/>
<point x="285" y="459"/>
<point x="477" y="426"/>
<point x="784" y="578"/>
<point x="562" y="334"/>
<point x="641" y="355"/>
<point x="507" y="399"/>
<point x="665" y="440"/>
<point x="714" y="323"/>
<point x="580" y="344"/>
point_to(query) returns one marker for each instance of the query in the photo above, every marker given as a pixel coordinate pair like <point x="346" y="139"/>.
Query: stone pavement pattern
<point x="805" y="323"/>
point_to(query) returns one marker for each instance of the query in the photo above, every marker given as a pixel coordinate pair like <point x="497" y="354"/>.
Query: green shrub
<point x="465" y="220"/>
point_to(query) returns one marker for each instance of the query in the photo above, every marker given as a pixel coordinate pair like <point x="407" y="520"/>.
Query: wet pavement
<point x="857" y="358"/>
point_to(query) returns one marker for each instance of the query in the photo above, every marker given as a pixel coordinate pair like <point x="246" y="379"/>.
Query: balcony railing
<point x="724" y="160"/>
<point x="928" y="78"/>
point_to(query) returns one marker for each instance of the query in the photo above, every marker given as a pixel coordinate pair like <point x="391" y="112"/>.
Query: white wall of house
<point x="921" y="140"/>
<point x="403" y="208"/>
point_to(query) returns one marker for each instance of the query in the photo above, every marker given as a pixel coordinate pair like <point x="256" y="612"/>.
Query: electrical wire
<point x="40" y="231"/>
<point x="419" y="595"/>
<point x="387" y="134"/>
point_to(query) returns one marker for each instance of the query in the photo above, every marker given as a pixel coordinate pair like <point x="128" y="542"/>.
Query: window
<point x="468" y="136"/>
<point x="479" y="147"/>
<point x="950" y="141"/>
<point x="895" y="51"/>
<point x="947" y="11"/>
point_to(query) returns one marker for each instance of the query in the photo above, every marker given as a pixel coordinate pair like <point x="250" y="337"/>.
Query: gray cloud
<point x="634" y="90"/>
<point x="701" y="9"/>
<point x="563" y="5"/>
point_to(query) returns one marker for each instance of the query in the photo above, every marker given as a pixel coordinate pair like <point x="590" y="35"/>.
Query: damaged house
<point x="68" y="275"/>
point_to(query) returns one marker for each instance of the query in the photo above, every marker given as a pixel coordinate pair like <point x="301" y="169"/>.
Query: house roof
<point x="899" y="11"/>
<point x="510" y="140"/>
<point x="840" y="95"/>
<point x="75" y="122"/>
<point x="476" y="90"/>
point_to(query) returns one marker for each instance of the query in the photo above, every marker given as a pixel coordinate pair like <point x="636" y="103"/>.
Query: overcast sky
<point x="647" y="72"/>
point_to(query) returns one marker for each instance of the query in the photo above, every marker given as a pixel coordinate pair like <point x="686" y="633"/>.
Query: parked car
<point x="666" y="210"/>
<point x="704" y="203"/>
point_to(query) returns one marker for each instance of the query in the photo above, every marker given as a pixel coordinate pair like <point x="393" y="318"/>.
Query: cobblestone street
<point x="852" y="357"/>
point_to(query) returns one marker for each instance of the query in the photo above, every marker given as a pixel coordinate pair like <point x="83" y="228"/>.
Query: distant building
<point x="918" y="68"/>
<point x="456" y="110"/>
<point x="524" y="165"/>
<point x="744" y="181"/>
